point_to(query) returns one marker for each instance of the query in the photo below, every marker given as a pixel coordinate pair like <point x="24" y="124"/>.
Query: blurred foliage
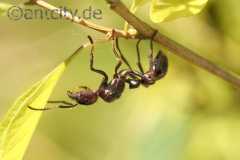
<point x="3" y="8"/>
<point x="190" y="114"/>
<point x="164" y="10"/>
<point x="19" y="124"/>
<point x="171" y="9"/>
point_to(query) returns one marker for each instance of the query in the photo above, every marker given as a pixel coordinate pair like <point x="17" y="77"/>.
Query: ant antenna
<point x="64" y="105"/>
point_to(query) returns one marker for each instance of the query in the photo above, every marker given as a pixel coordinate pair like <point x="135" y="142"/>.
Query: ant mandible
<point x="108" y="91"/>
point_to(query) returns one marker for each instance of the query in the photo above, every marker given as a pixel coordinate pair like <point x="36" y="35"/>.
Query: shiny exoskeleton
<point x="111" y="90"/>
<point x="158" y="67"/>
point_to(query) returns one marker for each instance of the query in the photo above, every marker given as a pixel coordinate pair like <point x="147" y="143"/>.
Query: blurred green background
<point x="190" y="114"/>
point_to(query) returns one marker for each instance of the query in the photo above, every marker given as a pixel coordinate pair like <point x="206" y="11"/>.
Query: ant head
<point x="85" y="96"/>
<point x="160" y="66"/>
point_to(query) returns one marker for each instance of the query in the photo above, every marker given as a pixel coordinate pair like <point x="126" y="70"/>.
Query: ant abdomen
<point x="112" y="90"/>
<point x="85" y="96"/>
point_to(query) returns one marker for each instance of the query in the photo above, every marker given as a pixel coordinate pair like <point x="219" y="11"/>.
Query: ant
<point x="108" y="91"/>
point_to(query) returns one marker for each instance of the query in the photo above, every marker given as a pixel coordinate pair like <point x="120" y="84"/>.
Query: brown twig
<point x="81" y="21"/>
<point x="146" y="31"/>
<point x="176" y="48"/>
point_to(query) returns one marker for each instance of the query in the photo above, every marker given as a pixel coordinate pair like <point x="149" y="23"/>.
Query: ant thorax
<point x="112" y="90"/>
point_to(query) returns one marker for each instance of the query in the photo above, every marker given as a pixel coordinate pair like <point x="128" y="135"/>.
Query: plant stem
<point x="147" y="31"/>
<point x="81" y="21"/>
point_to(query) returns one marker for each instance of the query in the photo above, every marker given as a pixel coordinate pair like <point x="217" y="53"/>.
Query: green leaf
<point x="135" y="5"/>
<point x="163" y="10"/>
<point x="18" y="125"/>
<point x="3" y="8"/>
<point x="138" y="3"/>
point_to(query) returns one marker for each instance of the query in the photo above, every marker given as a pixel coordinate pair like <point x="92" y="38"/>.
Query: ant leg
<point x="118" y="65"/>
<point x="135" y="75"/>
<point x="38" y="109"/>
<point x="139" y="57"/>
<point x="82" y="87"/>
<point x="121" y="55"/>
<point x="151" y="48"/>
<point x="63" y="102"/>
<point x="105" y="79"/>
<point x="69" y="106"/>
<point x="49" y="108"/>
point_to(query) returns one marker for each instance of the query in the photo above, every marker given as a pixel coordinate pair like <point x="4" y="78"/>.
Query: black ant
<point x="108" y="91"/>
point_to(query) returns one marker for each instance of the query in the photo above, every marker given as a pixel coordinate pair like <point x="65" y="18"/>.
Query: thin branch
<point x="81" y="21"/>
<point x="176" y="48"/>
<point x="146" y="31"/>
